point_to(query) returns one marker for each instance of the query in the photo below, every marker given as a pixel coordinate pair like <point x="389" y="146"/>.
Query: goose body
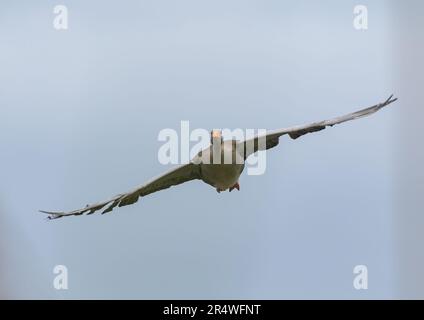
<point x="221" y="176"/>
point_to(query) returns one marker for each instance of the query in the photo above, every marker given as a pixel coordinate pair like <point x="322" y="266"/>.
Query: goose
<point x="220" y="175"/>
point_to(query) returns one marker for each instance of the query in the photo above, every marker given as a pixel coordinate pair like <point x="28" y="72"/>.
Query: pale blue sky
<point x="80" y="111"/>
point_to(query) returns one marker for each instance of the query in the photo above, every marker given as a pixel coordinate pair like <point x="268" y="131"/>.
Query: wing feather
<point x="170" y="178"/>
<point x="272" y="137"/>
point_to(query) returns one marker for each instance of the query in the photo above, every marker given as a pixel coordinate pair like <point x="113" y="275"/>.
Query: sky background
<point x="81" y="109"/>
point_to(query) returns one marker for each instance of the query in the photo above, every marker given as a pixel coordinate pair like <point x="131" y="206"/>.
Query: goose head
<point x="216" y="137"/>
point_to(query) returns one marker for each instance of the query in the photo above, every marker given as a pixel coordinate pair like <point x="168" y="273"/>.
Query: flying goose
<point x="222" y="176"/>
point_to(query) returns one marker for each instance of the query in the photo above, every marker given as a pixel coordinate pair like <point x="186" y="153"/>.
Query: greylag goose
<point x="221" y="176"/>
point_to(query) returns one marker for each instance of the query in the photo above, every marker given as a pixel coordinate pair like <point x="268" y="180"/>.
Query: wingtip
<point x="51" y="215"/>
<point x="49" y="212"/>
<point x="388" y="101"/>
<point x="391" y="99"/>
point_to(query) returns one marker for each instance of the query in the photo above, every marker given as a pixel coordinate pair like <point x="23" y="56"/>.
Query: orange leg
<point x="236" y="186"/>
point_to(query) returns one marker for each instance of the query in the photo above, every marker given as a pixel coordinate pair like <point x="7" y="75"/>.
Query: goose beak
<point x="216" y="134"/>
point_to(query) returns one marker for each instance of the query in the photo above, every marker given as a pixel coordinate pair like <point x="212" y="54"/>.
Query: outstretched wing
<point x="173" y="177"/>
<point x="271" y="139"/>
